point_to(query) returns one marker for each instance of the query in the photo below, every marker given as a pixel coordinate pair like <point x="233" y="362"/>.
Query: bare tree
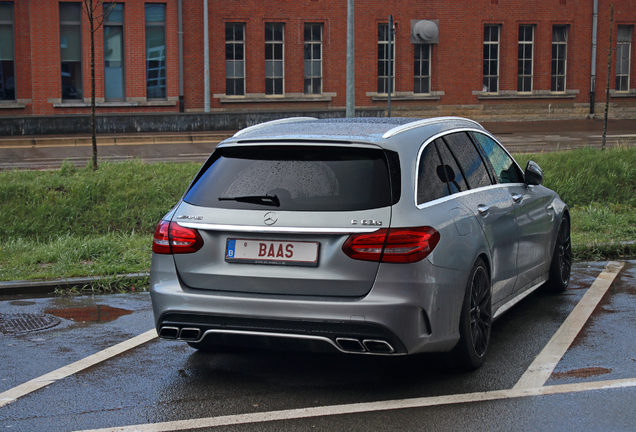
<point x="95" y="13"/>
<point x="609" y="70"/>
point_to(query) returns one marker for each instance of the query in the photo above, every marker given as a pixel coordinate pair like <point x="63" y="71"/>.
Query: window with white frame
<point x="114" y="76"/>
<point x="313" y="58"/>
<point x="155" y="51"/>
<point x="274" y="58"/>
<point x="383" y="59"/>
<point x="235" y="59"/>
<point x="525" y="64"/>
<point x="559" y="57"/>
<point x="491" y="59"/>
<point x="422" y="69"/>
<point x="623" y="54"/>
<point x="71" y="50"/>
<point x="7" y="56"/>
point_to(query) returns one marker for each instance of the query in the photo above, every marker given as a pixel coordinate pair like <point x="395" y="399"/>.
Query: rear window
<point x="302" y="178"/>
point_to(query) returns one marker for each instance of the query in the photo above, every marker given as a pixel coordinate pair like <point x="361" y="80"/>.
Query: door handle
<point x="483" y="209"/>
<point x="517" y="198"/>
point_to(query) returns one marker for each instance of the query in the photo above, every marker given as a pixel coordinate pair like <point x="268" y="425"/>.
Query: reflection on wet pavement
<point x="93" y="314"/>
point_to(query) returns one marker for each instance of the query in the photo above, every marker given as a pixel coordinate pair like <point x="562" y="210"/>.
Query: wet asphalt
<point x="166" y="381"/>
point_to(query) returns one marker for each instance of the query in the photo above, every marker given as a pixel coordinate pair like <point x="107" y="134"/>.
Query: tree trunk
<point x="93" y="128"/>
<point x="609" y="71"/>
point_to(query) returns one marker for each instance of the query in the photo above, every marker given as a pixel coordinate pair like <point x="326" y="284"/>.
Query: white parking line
<point x="368" y="407"/>
<point x="43" y="381"/>
<point x="541" y="369"/>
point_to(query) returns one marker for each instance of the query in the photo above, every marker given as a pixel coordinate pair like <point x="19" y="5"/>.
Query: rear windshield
<point x="301" y="178"/>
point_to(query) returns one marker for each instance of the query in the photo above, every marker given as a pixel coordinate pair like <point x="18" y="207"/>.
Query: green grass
<point x="74" y="222"/>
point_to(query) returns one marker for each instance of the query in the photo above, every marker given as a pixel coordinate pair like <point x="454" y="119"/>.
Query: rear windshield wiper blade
<point x="268" y="200"/>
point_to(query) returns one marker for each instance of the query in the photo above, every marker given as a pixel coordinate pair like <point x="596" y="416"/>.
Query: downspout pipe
<point x="390" y="83"/>
<point x="181" y="92"/>
<point x="206" y="58"/>
<point x="593" y="77"/>
<point x="351" y="62"/>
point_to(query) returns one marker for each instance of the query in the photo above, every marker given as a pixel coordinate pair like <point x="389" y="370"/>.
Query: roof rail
<point x="424" y="122"/>
<point x="273" y="122"/>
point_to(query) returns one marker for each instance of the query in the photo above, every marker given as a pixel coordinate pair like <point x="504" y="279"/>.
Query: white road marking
<point x="35" y="384"/>
<point x="541" y="369"/>
<point x="390" y="405"/>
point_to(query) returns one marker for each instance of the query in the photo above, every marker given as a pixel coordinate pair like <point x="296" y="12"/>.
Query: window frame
<point x="120" y="24"/>
<point x="420" y="78"/>
<point x="77" y="24"/>
<point x="558" y="77"/>
<point x="10" y="23"/>
<point x="312" y="81"/>
<point x="487" y="76"/>
<point x="163" y="61"/>
<point x="525" y="63"/>
<point x="271" y="77"/>
<point x="383" y="62"/>
<point x="624" y="47"/>
<point x="232" y="63"/>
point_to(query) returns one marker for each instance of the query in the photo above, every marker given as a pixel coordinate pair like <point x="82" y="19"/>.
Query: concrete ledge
<point x="39" y="286"/>
<point x="159" y="122"/>
<point x="84" y="141"/>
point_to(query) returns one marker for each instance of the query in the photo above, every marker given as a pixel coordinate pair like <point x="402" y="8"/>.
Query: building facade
<point x="484" y="59"/>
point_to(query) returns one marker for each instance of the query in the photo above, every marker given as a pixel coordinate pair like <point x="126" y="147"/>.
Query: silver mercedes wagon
<point x="385" y="236"/>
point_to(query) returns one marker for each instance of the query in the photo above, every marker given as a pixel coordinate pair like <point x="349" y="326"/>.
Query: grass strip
<point x="73" y="222"/>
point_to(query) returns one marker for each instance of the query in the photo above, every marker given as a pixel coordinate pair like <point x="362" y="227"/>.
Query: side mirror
<point x="533" y="174"/>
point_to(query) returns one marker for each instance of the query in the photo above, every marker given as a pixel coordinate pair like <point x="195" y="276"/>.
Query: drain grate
<point x="11" y="324"/>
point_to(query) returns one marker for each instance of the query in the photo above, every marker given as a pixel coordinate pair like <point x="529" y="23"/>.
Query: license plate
<point x="272" y="252"/>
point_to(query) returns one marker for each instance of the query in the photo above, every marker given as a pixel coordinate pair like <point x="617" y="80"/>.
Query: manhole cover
<point x="11" y="324"/>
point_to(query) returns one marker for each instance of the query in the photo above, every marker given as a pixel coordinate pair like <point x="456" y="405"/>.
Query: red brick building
<point x="485" y="59"/>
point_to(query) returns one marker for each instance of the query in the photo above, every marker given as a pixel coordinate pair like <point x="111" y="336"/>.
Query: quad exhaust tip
<point x="372" y="346"/>
<point x="186" y="333"/>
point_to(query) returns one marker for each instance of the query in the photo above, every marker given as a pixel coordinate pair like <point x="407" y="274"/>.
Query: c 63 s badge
<point x="190" y="217"/>
<point x="366" y="222"/>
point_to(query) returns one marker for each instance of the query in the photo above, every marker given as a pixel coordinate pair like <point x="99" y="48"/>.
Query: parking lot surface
<point x="101" y="367"/>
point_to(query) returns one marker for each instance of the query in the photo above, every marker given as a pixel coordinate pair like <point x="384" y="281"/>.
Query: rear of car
<point x="353" y="235"/>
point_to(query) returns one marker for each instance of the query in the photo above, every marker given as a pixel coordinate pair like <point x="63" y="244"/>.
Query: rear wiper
<point x="268" y="200"/>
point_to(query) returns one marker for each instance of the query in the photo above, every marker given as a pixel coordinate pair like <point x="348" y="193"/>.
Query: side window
<point x="449" y="168"/>
<point x="430" y="185"/>
<point x="505" y="167"/>
<point x="471" y="163"/>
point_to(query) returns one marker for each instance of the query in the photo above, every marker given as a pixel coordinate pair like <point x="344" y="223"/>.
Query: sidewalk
<point x="517" y="136"/>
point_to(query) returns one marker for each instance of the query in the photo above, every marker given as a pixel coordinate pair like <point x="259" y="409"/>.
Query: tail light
<point x="392" y="245"/>
<point x="172" y="238"/>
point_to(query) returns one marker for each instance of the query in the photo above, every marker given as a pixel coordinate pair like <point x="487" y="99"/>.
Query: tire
<point x="475" y="321"/>
<point x="561" y="264"/>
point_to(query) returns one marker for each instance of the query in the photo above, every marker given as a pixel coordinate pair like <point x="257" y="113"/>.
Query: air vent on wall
<point x="425" y="31"/>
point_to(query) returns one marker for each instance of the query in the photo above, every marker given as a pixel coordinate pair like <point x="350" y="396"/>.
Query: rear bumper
<point x="411" y="308"/>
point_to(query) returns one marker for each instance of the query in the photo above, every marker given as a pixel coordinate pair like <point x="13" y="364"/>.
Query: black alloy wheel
<point x="475" y="320"/>
<point x="561" y="265"/>
<point x="480" y="311"/>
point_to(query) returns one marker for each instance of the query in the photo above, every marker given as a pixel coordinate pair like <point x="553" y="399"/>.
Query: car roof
<point x="382" y="131"/>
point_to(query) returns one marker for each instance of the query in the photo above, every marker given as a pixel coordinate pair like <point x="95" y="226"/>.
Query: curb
<point x="29" y="287"/>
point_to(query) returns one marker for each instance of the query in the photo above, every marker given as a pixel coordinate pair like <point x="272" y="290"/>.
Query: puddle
<point x="22" y="303"/>
<point x="93" y="314"/>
